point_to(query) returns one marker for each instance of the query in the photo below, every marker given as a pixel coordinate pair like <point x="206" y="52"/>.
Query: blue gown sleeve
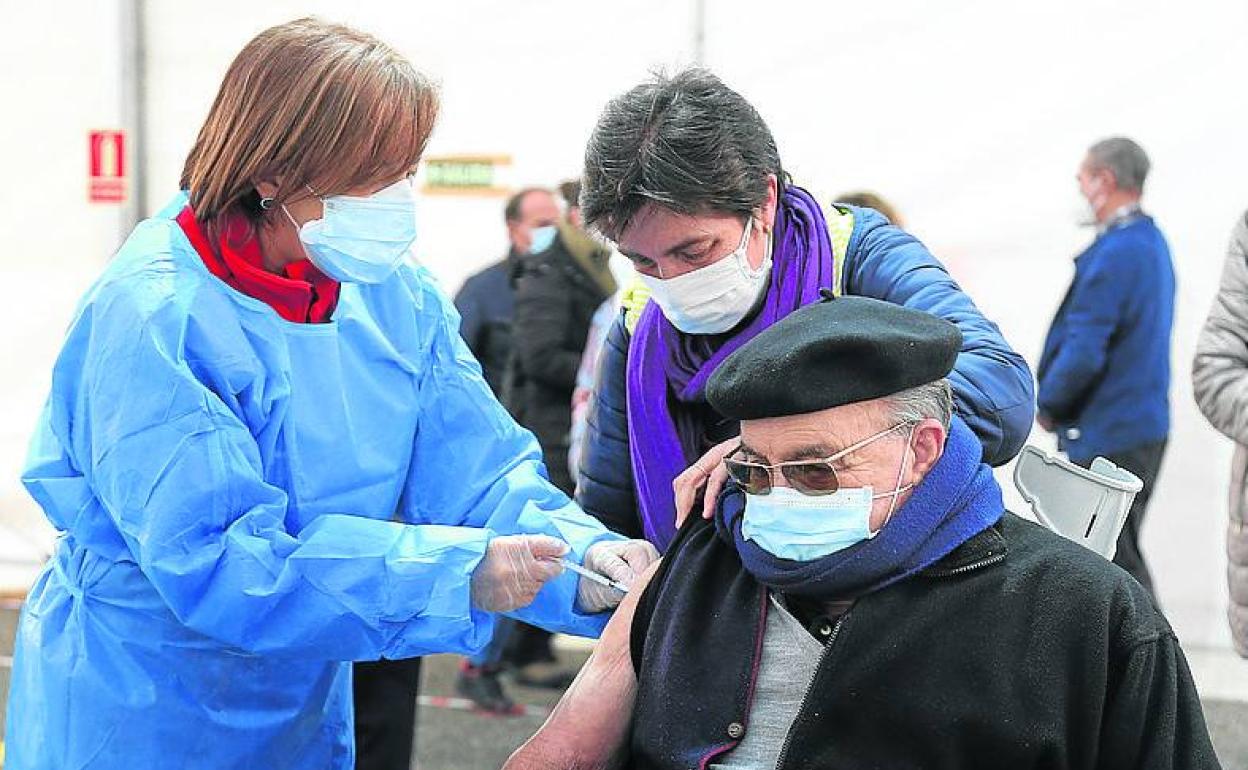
<point x="473" y="465"/>
<point x="181" y="479"/>
<point x="992" y="385"/>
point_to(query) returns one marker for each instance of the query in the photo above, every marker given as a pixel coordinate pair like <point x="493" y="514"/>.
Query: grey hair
<point x="934" y="400"/>
<point x="686" y="142"/>
<point x="1124" y="158"/>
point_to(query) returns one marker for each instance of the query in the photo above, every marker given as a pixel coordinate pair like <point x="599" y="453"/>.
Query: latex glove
<point x="620" y="560"/>
<point x="707" y="475"/>
<point x="514" y="569"/>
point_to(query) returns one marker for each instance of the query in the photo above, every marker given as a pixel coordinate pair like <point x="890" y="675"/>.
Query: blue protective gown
<point x="246" y="504"/>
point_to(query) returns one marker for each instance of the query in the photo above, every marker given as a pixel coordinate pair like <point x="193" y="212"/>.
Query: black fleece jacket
<point x="1018" y="650"/>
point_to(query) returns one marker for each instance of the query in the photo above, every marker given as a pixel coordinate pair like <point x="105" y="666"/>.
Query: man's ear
<point x="928" y="444"/>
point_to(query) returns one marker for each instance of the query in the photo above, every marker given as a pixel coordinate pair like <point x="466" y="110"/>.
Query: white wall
<point x="59" y="78"/>
<point x="971" y="116"/>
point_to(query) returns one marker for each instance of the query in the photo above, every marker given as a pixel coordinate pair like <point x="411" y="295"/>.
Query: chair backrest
<point x="1087" y="505"/>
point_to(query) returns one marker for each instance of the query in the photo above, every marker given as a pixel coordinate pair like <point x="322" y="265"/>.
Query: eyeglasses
<point x="810" y="477"/>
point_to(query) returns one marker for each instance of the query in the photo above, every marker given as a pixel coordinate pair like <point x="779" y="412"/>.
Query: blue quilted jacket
<point x="992" y="384"/>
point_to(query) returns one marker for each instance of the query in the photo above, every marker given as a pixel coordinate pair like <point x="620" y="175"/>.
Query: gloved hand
<point x="514" y="569"/>
<point x="620" y="560"/>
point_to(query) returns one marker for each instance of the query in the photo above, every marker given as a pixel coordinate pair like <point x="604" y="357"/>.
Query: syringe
<point x="594" y="576"/>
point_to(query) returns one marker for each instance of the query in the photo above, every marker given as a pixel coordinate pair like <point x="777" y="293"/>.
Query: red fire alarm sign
<point x="106" y="181"/>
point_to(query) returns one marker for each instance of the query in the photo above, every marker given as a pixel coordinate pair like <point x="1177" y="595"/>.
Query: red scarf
<point x="303" y="295"/>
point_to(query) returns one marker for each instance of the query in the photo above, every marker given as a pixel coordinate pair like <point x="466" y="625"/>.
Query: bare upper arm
<point x="589" y="727"/>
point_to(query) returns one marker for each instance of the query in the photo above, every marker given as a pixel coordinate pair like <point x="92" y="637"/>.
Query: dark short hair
<point x="571" y="192"/>
<point x="1124" y="158"/>
<point x="686" y="142"/>
<point x="511" y="212"/>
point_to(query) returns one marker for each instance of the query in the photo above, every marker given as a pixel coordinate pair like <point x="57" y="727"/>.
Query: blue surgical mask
<point x="541" y="238"/>
<point x="791" y="525"/>
<point x="798" y="527"/>
<point x="362" y="240"/>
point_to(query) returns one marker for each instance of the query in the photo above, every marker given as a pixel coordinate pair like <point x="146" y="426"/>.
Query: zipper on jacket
<point x="827" y="649"/>
<point x="985" y="562"/>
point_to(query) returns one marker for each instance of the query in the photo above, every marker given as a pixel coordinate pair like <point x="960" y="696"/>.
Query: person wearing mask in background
<point x="559" y="283"/>
<point x="269" y="452"/>
<point x="1104" y="375"/>
<point x="869" y="200"/>
<point x="487" y="306"/>
<point x="486" y="301"/>
<point x="684" y="175"/>
<point x="862" y="599"/>
<point x="1220" y="382"/>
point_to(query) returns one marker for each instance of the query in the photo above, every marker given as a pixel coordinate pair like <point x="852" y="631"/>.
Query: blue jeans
<point x="492" y="655"/>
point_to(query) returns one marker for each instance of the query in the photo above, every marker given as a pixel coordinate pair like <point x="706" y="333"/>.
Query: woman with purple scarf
<point x="684" y="175"/>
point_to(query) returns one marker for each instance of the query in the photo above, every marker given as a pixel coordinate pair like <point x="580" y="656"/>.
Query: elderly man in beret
<point x="861" y="598"/>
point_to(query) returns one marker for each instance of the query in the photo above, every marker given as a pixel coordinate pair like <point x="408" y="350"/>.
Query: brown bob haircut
<point x="308" y="104"/>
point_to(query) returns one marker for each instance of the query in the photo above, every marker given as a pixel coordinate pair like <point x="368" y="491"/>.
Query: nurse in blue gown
<point x="247" y="501"/>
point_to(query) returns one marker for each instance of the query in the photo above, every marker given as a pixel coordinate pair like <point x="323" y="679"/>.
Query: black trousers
<point x="1145" y="462"/>
<point x="385" y="713"/>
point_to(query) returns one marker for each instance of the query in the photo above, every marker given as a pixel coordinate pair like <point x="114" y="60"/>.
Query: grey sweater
<point x="1220" y="381"/>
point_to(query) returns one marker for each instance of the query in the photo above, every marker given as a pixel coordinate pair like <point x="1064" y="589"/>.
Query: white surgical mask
<point x="362" y="240"/>
<point x="715" y="298"/>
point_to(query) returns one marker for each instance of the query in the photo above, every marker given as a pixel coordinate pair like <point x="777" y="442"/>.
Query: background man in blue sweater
<point x="1104" y="377"/>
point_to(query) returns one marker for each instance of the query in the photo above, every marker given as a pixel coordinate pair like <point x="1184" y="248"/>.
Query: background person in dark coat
<point x="1105" y="372"/>
<point x="558" y="290"/>
<point x="486" y="302"/>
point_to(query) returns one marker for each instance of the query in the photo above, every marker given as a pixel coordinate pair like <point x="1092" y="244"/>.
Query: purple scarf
<point x="668" y="369"/>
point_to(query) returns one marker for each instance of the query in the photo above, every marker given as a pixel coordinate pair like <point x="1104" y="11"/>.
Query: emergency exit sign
<point x="467" y="175"/>
<point x="106" y="173"/>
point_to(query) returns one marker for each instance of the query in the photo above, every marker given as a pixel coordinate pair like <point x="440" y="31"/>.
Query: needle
<point x="594" y="576"/>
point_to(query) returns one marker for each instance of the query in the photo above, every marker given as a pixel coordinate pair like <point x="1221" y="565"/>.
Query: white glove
<point x="514" y="569"/>
<point x="620" y="560"/>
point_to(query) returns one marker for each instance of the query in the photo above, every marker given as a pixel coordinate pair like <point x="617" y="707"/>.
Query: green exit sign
<point x="466" y="175"/>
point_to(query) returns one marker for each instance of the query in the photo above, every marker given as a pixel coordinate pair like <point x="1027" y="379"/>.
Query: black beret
<point x="839" y="351"/>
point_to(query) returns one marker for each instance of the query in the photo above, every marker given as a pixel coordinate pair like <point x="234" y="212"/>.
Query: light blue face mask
<point x="542" y="238"/>
<point x="791" y="525"/>
<point x="362" y="240"/>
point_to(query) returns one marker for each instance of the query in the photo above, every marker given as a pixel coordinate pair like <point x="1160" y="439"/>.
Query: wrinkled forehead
<point x="814" y="434"/>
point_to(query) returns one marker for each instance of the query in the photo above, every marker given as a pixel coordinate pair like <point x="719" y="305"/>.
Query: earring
<point x="266" y="203"/>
